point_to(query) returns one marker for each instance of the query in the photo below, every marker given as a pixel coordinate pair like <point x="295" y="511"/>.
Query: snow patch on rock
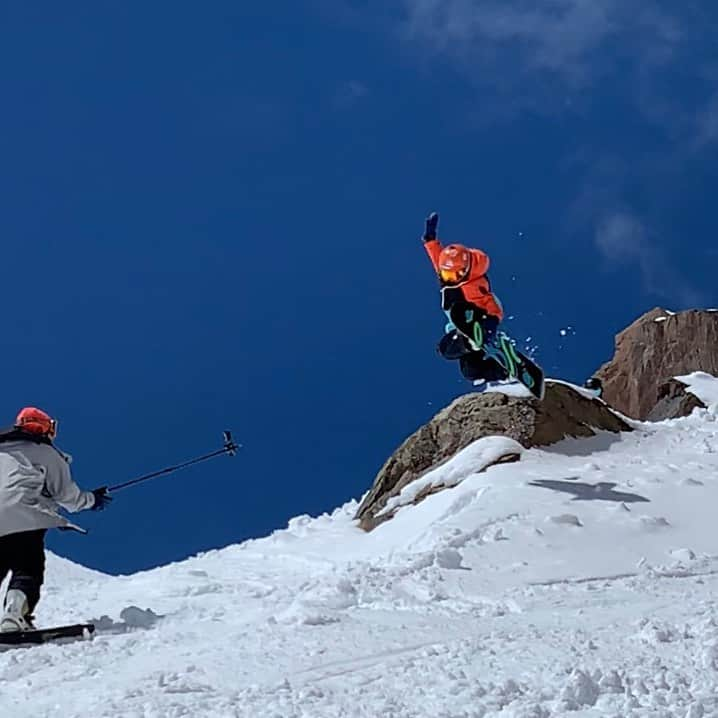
<point x="702" y="385"/>
<point x="473" y="459"/>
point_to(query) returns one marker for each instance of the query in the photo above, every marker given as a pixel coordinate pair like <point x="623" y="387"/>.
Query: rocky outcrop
<point x="650" y="352"/>
<point x="564" y="412"/>
<point x="674" y="401"/>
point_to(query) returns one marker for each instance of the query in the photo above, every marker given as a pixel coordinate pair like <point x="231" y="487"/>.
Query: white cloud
<point x="349" y="94"/>
<point x="541" y="54"/>
<point x="554" y="35"/>
<point x="622" y="238"/>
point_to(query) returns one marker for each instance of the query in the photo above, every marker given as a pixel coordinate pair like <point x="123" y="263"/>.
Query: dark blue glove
<point x="102" y="498"/>
<point x="432" y="222"/>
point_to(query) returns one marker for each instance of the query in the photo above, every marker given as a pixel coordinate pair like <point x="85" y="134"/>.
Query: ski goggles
<point x="451" y="275"/>
<point x="52" y="431"/>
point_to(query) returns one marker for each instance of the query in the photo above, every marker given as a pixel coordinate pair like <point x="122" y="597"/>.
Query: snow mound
<point x="473" y="459"/>
<point x="586" y="393"/>
<point x="515" y="388"/>
<point x="702" y="385"/>
<point x="581" y="580"/>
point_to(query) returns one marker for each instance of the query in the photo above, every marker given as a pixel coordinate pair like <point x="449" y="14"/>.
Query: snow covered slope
<point x="580" y="581"/>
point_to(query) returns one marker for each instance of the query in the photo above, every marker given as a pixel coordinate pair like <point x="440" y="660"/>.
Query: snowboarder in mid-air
<point x="474" y="313"/>
<point x="35" y="481"/>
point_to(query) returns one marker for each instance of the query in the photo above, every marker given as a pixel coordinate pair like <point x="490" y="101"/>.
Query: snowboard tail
<point x="45" y="635"/>
<point x="514" y="363"/>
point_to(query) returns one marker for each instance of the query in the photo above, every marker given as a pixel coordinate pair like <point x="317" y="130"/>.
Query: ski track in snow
<point x="501" y="596"/>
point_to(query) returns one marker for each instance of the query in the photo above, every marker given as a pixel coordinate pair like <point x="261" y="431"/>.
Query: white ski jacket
<point x="35" y="481"/>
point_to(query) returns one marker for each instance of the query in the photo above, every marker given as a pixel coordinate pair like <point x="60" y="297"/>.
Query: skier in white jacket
<point x="35" y="481"/>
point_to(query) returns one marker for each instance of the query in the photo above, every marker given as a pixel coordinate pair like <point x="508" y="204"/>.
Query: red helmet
<point x="36" y="421"/>
<point x="454" y="263"/>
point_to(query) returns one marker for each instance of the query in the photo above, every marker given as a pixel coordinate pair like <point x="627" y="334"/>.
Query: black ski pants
<point x="473" y="364"/>
<point x="23" y="554"/>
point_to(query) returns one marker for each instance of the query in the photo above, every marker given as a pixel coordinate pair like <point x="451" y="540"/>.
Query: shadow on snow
<point x="602" y="491"/>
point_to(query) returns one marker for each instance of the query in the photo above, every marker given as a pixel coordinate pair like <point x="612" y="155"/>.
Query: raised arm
<point x="431" y="242"/>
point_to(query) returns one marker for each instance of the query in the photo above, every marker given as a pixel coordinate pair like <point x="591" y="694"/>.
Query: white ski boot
<point x="15" y="617"/>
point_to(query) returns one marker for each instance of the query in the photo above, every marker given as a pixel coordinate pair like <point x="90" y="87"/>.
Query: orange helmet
<point x="36" y="421"/>
<point x="454" y="263"/>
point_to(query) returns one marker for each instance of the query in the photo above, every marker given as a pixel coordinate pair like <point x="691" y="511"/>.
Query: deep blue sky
<point x="210" y="216"/>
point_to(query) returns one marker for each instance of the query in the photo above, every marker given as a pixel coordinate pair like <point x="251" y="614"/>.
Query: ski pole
<point x="230" y="448"/>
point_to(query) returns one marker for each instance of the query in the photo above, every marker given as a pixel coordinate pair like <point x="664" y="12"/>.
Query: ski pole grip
<point x="229" y="446"/>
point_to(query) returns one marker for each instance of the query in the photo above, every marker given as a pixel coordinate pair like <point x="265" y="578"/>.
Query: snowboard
<point x="44" y="635"/>
<point x="514" y="362"/>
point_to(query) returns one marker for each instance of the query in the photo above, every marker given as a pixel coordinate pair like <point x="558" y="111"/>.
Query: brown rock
<point x="564" y="412"/>
<point x="650" y="353"/>
<point x="673" y="401"/>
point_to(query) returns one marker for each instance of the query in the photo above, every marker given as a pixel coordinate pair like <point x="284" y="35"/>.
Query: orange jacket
<point x="476" y="287"/>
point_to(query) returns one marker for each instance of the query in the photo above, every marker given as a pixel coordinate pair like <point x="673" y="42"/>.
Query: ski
<point x="45" y="635"/>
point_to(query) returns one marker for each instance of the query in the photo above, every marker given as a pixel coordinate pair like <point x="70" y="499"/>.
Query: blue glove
<point x="432" y="222"/>
<point x="102" y="499"/>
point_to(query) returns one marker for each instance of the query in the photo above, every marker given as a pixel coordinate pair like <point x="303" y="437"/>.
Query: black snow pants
<point x="23" y="554"/>
<point x="473" y="364"/>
